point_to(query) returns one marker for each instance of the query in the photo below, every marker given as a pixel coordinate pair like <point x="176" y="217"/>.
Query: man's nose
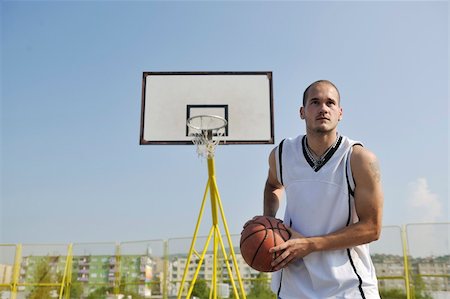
<point x="323" y="108"/>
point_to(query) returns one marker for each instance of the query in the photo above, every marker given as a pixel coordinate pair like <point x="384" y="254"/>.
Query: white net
<point x="206" y="132"/>
<point x="206" y="146"/>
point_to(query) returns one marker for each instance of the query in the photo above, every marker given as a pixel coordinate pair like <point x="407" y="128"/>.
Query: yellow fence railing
<point x="412" y="262"/>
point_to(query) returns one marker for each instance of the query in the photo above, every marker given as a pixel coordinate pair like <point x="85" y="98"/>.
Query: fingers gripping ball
<point x="258" y="236"/>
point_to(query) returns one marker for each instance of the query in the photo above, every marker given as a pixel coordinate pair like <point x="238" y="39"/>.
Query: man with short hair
<point x="334" y="203"/>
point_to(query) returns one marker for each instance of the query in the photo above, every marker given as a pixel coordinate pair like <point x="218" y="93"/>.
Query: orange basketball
<point x="258" y="236"/>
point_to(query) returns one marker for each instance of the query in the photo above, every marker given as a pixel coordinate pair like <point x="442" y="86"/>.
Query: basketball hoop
<point x="206" y="131"/>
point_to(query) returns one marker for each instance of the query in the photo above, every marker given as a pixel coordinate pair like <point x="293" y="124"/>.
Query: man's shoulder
<point x="362" y="155"/>
<point x="351" y="142"/>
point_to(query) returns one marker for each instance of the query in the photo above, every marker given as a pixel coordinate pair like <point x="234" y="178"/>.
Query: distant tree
<point x="156" y="285"/>
<point x="76" y="289"/>
<point x="260" y="288"/>
<point x="132" y="294"/>
<point x="392" y="294"/>
<point x="41" y="273"/>
<point x="100" y="293"/>
<point x="201" y="289"/>
<point x="419" y="289"/>
<point x="129" y="287"/>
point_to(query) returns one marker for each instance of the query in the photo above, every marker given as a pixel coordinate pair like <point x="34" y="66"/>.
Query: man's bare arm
<point x="273" y="190"/>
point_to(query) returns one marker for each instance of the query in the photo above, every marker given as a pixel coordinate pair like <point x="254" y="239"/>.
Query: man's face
<point x="322" y="110"/>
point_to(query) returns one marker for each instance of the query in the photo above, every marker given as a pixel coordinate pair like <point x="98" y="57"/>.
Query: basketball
<point x="257" y="237"/>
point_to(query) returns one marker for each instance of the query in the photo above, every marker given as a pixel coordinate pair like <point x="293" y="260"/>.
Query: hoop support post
<point x="233" y="255"/>
<point x="194" y="238"/>
<point x="216" y="207"/>
<point x="200" y="262"/>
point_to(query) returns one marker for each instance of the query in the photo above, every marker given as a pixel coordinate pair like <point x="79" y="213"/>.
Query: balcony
<point x="83" y="263"/>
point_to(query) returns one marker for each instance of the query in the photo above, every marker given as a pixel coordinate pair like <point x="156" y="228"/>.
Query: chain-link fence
<point x="411" y="262"/>
<point x="429" y="259"/>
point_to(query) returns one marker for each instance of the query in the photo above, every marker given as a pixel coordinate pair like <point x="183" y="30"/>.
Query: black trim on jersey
<point x="280" y="163"/>
<point x="280" y="152"/>
<point x="350" y="194"/>
<point x="281" y="274"/>
<point x="325" y="159"/>
<point x="305" y="154"/>
<point x="350" y="191"/>
<point x="356" y="272"/>
<point x="279" y="287"/>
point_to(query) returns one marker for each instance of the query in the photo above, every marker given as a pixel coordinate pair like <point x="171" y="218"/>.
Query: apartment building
<point x="5" y="273"/>
<point x="434" y="272"/>
<point x="177" y="266"/>
<point x="135" y="272"/>
<point x="145" y="274"/>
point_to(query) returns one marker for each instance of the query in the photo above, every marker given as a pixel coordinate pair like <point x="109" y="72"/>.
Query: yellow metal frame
<point x="214" y="234"/>
<point x="406" y="262"/>
<point x="64" y="285"/>
<point x="216" y="206"/>
<point x="67" y="276"/>
<point x="16" y="271"/>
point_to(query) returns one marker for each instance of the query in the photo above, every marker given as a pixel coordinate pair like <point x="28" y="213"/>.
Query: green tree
<point x="76" y="289"/>
<point x="260" y="288"/>
<point x="156" y="285"/>
<point x="41" y="273"/>
<point x="392" y="294"/>
<point x="133" y="295"/>
<point x="100" y="293"/>
<point x="129" y="287"/>
<point x="419" y="289"/>
<point x="201" y="289"/>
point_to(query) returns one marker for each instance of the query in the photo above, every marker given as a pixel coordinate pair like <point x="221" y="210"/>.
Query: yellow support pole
<point x="194" y="238"/>
<point x="16" y="271"/>
<point x="213" y="192"/>
<point x="166" y="268"/>
<point x="216" y="204"/>
<point x="117" y="267"/>
<point x="214" y="278"/>
<point x="200" y="262"/>
<point x="227" y="263"/>
<point x="233" y="255"/>
<point x="66" y="282"/>
<point x="406" y="262"/>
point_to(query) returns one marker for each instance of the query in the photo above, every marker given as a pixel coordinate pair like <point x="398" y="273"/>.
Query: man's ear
<point x="302" y="113"/>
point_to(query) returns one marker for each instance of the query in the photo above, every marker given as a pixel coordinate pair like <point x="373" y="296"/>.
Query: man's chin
<point x="323" y="130"/>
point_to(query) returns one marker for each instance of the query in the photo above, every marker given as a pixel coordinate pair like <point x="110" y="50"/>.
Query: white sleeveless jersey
<point x="320" y="201"/>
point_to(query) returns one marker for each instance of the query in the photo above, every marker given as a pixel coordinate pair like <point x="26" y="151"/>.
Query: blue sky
<point x="72" y="169"/>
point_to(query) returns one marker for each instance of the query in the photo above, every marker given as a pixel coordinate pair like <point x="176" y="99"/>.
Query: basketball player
<point x="334" y="204"/>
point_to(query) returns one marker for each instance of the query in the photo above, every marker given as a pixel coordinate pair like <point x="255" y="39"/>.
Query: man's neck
<point x="320" y="142"/>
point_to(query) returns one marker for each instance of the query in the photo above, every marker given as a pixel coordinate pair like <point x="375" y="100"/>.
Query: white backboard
<point x="244" y="99"/>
